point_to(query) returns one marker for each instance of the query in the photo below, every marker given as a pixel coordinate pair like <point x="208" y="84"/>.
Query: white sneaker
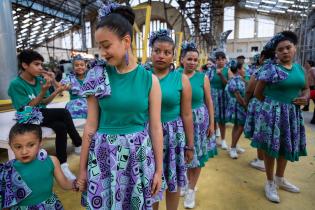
<point x="282" y="183"/>
<point x="239" y="149"/>
<point x="258" y="164"/>
<point x="66" y="171"/>
<point x="183" y="190"/>
<point x="217" y="133"/>
<point x="77" y="150"/>
<point x="271" y="192"/>
<point x="224" y="145"/>
<point x="233" y="153"/>
<point x="189" y="201"/>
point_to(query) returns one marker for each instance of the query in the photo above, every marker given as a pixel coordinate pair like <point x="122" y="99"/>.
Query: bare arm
<point x="40" y="98"/>
<point x="186" y="115"/>
<point x="250" y="89"/>
<point x="156" y="133"/>
<point x="62" y="181"/>
<point x="240" y="99"/>
<point x="259" y="90"/>
<point x="303" y="99"/>
<point x="209" y="104"/>
<point x="220" y="74"/>
<point x="186" y="111"/>
<point x="54" y="94"/>
<point x="89" y="130"/>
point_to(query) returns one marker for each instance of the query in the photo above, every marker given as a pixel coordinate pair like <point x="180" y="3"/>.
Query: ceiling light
<point x="282" y="6"/>
<point x="278" y="11"/>
<point x="15" y="17"/>
<point x="18" y="9"/>
<point x="26" y="20"/>
<point x="266" y="7"/>
<point x="25" y="29"/>
<point x="250" y="6"/>
<point x="286" y="1"/>
<point x="26" y="25"/>
<point x="252" y="2"/>
<point x="294" y="11"/>
<point x="261" y="10"/>
<point x="269" y="2"/>
<point x="38" y="23"/>
<point x="48" y="25"/>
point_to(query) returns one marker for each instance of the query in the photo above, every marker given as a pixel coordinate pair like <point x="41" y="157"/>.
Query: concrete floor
<point x="231" y="184"/>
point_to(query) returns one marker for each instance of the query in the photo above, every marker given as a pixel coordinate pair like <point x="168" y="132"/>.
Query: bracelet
<point x="74" y="185"/>
<point x="189" y="148"/>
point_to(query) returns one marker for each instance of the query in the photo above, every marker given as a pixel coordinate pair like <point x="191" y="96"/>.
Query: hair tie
<point x="106" y="8"/>
<point x="77" y="57"/>
<point x="189" y="45"/>
<point x="273" y="42"/>
<point x="156" y="34"/>
<point x="30" y="115"/>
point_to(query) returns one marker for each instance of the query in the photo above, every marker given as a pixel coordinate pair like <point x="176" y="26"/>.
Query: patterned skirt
<point x="52" y="203"/>
<point x="235" y="112"/>
<point x="253" y="110"/>
<point x="279" y="130"/>
<point x="219" y="98"/>
<point x="120" y="172"/>
<point x="174" y="154"/>
<point x="77" y="108"/>
<point x="205" y="148"/>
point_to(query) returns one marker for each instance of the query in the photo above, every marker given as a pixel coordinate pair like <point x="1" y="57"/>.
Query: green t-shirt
<point x="288" y="89"/>
<point x="38" y="176"/>
<point x="180" y="69"/>
<point x="197" y="87"/>
<point x="171" y="87"/>
<point x="126" y="110"/>
<point x="216" y="81"/>
<point x="22" y="92"/>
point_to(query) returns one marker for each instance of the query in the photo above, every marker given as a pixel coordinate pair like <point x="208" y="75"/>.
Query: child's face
<point x="25" y="146"/>
<point x="190" y="61"/>
<point x="35" y="68"/>
<point x="79" y="67"/>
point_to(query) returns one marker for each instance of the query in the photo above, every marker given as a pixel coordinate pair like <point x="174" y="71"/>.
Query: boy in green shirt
<point x="30" y="88"/>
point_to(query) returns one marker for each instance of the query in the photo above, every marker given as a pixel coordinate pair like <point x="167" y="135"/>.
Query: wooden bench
<point x="7" y="121"/>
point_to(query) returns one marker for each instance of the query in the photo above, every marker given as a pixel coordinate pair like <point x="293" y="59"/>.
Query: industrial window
<point x="229" y="20"/>
<point x="246" y="28"/>
<point x="266" y="28"/>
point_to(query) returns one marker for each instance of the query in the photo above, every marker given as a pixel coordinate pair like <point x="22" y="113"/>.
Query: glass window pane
<point x="246" y="28"/>
<point x="266" y="28"/>
<point x="229" y="20"/>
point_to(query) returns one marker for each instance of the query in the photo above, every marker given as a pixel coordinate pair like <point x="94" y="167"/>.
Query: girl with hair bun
<point x="122" y="150"/>
<point x="203" y="120"/>
<point x="176" y="116"/>
<point x="282" y="88"/>
<point x="77" y="106"/>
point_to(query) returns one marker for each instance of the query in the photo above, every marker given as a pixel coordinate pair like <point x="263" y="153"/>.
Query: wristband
<point x="189" y="148"/>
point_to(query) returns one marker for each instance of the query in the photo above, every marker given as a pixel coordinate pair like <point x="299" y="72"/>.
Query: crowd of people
<point x="151" y="130"/>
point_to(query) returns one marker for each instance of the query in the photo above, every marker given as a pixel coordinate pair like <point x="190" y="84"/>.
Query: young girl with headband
<point x="77" y="106"/>
<point x="27" y="181"/>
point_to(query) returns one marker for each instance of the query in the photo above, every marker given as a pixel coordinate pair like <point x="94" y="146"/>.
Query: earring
<point x="42" y="154"/>
<point x="127" y="58"/>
